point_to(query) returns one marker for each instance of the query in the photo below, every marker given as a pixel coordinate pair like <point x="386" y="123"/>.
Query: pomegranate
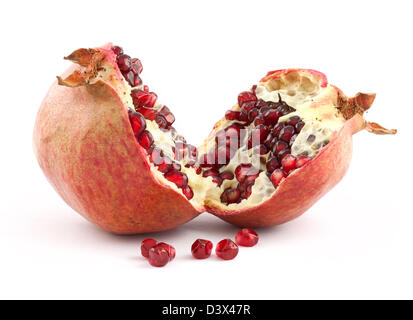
<point x="108" y="146"/>
<point x="146" y="245"/>
<point x="93" y="137"/>
<point x="226" y="249"/>
<point x="201" y="249"/>
<point x="159" y="256"/>
<point x="294" y="144"/>
<point x="169" y="248"/>
<point x="246" y="237"/>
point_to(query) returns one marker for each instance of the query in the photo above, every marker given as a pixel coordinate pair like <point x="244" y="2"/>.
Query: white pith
<point x="321" y="119"/>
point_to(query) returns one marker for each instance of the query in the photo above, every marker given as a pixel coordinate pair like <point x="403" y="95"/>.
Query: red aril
<point x="158" y="256"/>
<point x="246" y="237"/>
<point x="226" y="249"/>
<point x="277" y="176"/>
<point x="146" y="245"/>
<point x="201" y="249"/>
<point x="169" y="249"/>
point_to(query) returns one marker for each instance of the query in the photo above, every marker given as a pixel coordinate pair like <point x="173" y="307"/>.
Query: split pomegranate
<point x="108" y="146"/>
<point x="226" y="249"/>
<point x="201" y="249"/>
<point x="246" y="237"/>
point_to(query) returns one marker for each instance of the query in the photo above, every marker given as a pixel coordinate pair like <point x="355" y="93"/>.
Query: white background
<point x="356" y="242"/>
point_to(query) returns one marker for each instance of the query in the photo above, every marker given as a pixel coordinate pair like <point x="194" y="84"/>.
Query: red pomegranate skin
<point x="308" y="184"/>
<point x="85" y="145"/>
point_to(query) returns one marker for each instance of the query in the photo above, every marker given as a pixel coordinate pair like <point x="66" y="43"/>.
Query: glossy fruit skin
<point x="308" y="184"/>
<point x="201" y="249"/>
<point x="226" y="249"/>
<point x="146" y="245"/>
<point x="246" y="237"/>
<point x="81" y="136"/>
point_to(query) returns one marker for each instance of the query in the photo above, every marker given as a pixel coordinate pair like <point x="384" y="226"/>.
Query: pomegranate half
<point x="108" y="147"/>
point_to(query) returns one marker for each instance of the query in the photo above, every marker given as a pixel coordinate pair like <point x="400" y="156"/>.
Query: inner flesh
<point x="273" y="130"/>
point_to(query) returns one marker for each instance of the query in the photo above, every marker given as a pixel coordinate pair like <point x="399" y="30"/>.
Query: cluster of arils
<point x="160" y="253"/>
<point x="254" y="126"/>
<point x="146" y="109"/>
<point x="257" y="121"/>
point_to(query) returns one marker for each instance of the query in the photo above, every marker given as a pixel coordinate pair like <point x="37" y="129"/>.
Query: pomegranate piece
<point x="142" y="98"/>
<point x="226" y="175"/>
<point x="286" y="133"/>
<point x="158" y="256"/>
<point x="166" y="165"/>
<point x="137" y="81"/>
<point x="137" y="68"/>
<point x="289" y="163"/>
<point x="232" y="115"/>
<point x="277" y="176"/>
<point x="210" y="172"/>
<point x="283" y="153"/>
<point x="272" y="164"/>
<point x="292" y="140"/>
<point x="145" y="139"/>
<point x="148" y="113"/>
<point x="137" y="122"/>
<point x="146" y="245"/>
<point x="292" y="121"/>
<point x="161" y="121"/>
<point x="252" y="114"/>
<point x="124" y="62"/>
<point x="179" y="178"/>
<point x="277" y="129"/>
<point x="226" y="249"/>
<point x="299" y="126"/>
<point x="261" y="149"/>
<point x="188" y="193"/>
<point x="246" y="237"/>
<point x="169" y="248"/>
<point x="268" y="142"/>
<point x="230" y="195"/>
<point x="130" y="77"/>
<point x="201" y="249"/>
<point x="246" y="96"/>
<point x="302" y="160"/>
<point x="117" y="50"/>
<point x="156" y="155"/>
<point x="250" y="179"/>
<point x="279" y="146"/>
<point x="244" y="170"/>
<point x="259" y="120"/>
<point x="262" y="132"/>
<point x="169" y="117"/>
<point x="271" y="117"/>
<point x="245" y="190"/>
